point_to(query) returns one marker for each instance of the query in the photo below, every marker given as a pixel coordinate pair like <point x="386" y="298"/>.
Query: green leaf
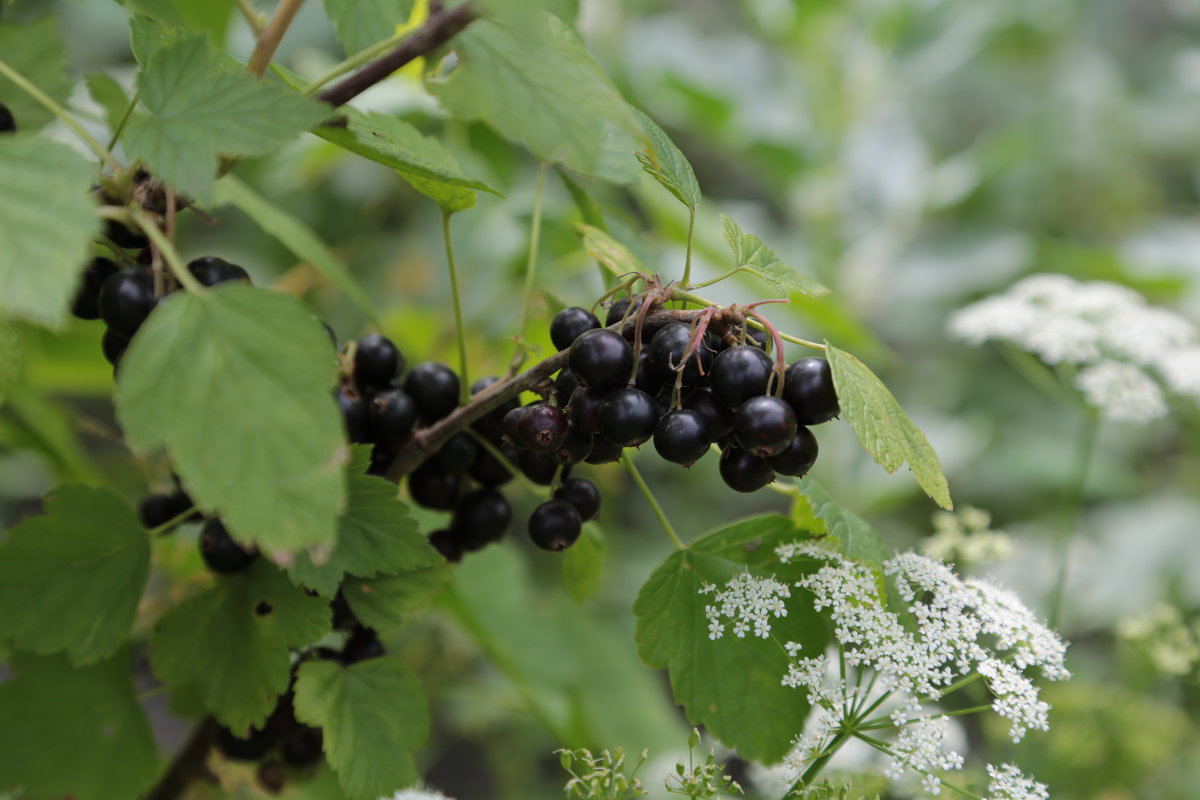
<point x="71" y="580"/>
<point x="201" y="105"/>
<point x="583" y="565"/>
<point x="730" y="685"/>
<point x="235" y="384"/>
<point x="882" y="426"/>
<point x="148" y="34"/>
<point x="38" y="53"/>
<point x="47" y="220"/>
<point x="76" y="733"/>
<point x="373" y="715"/>
<point x="232" y="641"/>
<point x="375" y="536"/>
<point x="666" y="164"/>
<point x="383" y="603"/>
<point x="531" y="78"/>
<point x="295" y="236"/>
<point x="751" y="255"/>
<point x="421" y="160"/>
<point x="361" y="23"/>
<point x="10" y="358"/>
<point x="111" y="97"/>
<point x="612" y="255"/>
<point x="589" y="209"/>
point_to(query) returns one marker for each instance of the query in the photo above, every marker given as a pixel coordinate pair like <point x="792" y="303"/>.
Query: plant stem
<point x="188" y="764"/>
<point x="535" y="233"/>
<point x="658" y="512"/>
<point x="353" y="62"/>
<point x="271" y="36"/>
<point x="717" y="279"/>
<point x="120" y="128"/>
<point x="251" y="15"/>
<point x="814" y="769"/>
<point x="50" y="105"/>
<point x="464" y="383"/>
<point x="1071" y="508"/>
<point x="172" y="522"/>
<point x="687" y="259"/>
<point x="682" y="294"/>
<point x="167" y="250"/>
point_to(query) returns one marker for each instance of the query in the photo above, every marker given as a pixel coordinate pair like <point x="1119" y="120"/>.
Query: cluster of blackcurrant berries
<point x="7" y="123"/>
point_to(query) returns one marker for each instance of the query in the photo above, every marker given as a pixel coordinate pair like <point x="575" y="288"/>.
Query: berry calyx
<point x="86" y="304"/>
<point x="480" y="518"/>
<point x="739" y="373"/>
<point x="376" y="362"/>
<point x="220" y="552"/>
<point x="210" y="270"/>
<point x="555" y="525"/>
<point x="682" y="436"/>
<point x="434" y="388"/>
<point x="126" y="299"/>
<point x="581" y="493"/>
<point x="744" y="472"/>
<point x="541" y="428"/>
<point x="627" y="417"/>
<point x="798" y="457"/>
<point x="569" y="323"/>
<point x="764" y="426"/>
<point x="601" y="359"/>
<point x="808" y="389"/>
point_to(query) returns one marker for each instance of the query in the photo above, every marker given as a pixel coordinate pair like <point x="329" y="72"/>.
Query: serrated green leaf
<point x="10" y="358"/>
<point x="295" y="236"/>
<point x="730" y="685"/>
<point x="76" y="733"/>
<point x="235" y="384"/>
<point x="856" y="539"/>
<point x="232" y="641"/>
<point x="882" y="426"/>
<point x="534" y="81"/>
<point x="39" y="54"/>
<point x="376" y="535"/>
<point x="47" y="220"/>
<point x="71" y="580"/>
<point x="383" y="603"/>
<point x="111" y="97"/>
<point x="612" y="255"/>
<point x="373" y="715"/>
<point x="583" y="565"/>
<point x="200" y="105"/>
<point x="751" y="255"/>
<point x="421" y="160"/>
<point x="361" y="23"/>
<point x="148" y="34"/>
<point x="664" y="162"/>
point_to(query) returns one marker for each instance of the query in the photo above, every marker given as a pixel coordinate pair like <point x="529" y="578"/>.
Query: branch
<point x="188" y="765"/>
<point x="272" y="35"/>
<point x="438" y="29"/>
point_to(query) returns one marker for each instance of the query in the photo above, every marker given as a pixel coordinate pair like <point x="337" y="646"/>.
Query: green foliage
<point x="10" y="357"/>
<point x="200" y="105"/>
<point x="261" y="443"/>
<point x="70" y="580"/>
<point x="109" y="94"/>
<point x="231" y="642"/>
<point x="74" y="732"/>
<point x="38" y="53"/>
<point x="583" y="564"/>
<point x="663" y="161"/>
<point x="384" y="603"/>
<point x="729" y="685"/>
<point x="373" y="715"/>
<point x="47" y="218"/>
<point x="856" y="539"/>
<point x="751" y="255"/>
<point x="882" y="426"/>
<point x="361" y="23"/>
<point x="612" y="255"/>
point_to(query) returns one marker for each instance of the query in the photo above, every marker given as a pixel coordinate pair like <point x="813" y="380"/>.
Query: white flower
<point x="746" y="601"/>
<point x="419" y="793"/>
<point x="1180" y="370"/>
<point x="1122" y="392"/>
<point x="1007" y="783"/>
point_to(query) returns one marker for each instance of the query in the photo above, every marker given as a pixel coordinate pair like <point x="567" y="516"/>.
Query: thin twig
<point x="188" y="765"/>
<point x="272" y="35"/>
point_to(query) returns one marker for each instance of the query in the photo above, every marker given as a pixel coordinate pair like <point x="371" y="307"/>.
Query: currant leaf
<point x="663" y="161"/>
<point x="751" y="255"/>
<point x="39" y="54"/>
<point x="361" y="23"/>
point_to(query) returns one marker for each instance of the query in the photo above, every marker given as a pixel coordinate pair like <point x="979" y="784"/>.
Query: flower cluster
<point x="601" y="777"/>
<point x="1166" y="638"/>
<point x="748" y="602"/>
<point x="1126" y="350"/>
<point x="419" y="793"/>
<point x="966" y="537"/>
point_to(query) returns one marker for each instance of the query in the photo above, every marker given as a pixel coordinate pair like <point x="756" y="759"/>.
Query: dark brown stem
<point x="188" y="765"/>
<point x="438" y="29"/>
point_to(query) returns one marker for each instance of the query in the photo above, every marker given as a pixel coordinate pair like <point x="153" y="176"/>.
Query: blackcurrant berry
<point x="480" y="518"/>
<point x="491" y="424"/>
<point x="210" y="270"/>
<point x="343" y="616"/>
<point x="757" y="338"/>
<point x="601" y="359"/>
<point x="555" y="525"/>
<point x="159" y="509"/>
<point x="603" y="452"/>
<point x="447" y="544"/>
<point x="667" y="350"/>
<point x="302" y="748"/>
<point x="126" y="299"/>
<point x="391" y="415"/>
<point x="354" y="414"/>
<point x="744" y="472"/>
<point x="627" y="417"/>
<point x="569" y="323"/>
<point x="682" y="436"/>
<point x="86" y="304"/>
<point x="575" y="447"/>
<point x="489" y="470"/>
<point x="377" y="361"/>
<point x="648" y="378"/>
<point x="739" y="373"/>
<point x="581" y="493"/>
<point x="363" y="644"/>
<point x="616" y="312"/>
<point x="239" y="748"/>
<point x="584" y="407"/>
<point x="434" y="388"/>
<point x="123" y="236"/>
<point x="432" y="487"/>
<point x="8" y="124"/>
<point x="113" y="345"/>
<point x="220" y="552"/>
<point x="457" y="454"/>
<point x="808" y="389"/>
<point x="542" y="428"/>
<point x="799" y="456"/>
<point x="565" y="385"/>
<point x="720" y="418"/>
<point x="538" y="467"/>
<point x="764" y="425"/>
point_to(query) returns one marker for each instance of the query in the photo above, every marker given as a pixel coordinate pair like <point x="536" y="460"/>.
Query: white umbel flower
<point x="1007" y="783"/>
<point x="417" y="793"/>
<point x="1122" y="392"/>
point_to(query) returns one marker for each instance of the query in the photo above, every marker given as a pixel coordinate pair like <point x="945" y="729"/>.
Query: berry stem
<point x="1072" y="505"/>
<point x="535" y="233"/>
<point x="50" y="105"/>
<point x="167" y="526"/>
<point x="120" y="128"/>
<point x="687" y="259"/>
<point x="464" y="383"/>
<point x="682" y="294"/>
<point x="165" y="248"/>
<point x="658" y="512"/>
<point x="271" y="36"/>
<point x="253" y="18"/>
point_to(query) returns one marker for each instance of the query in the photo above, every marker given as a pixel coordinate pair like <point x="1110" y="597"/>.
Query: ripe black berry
<point x="603" y="452"/>
<point x="432" y="487"/>
<point x="434" y="388"/>
<point x="541" y="428"/>
<point x="764" y="425"/>
<point x="362" y="644"/>
<point x="220" y="552"/>
<point x="565" y="385"/>
<point x="720" y="418"/>
<point x="302" y="748"/>
<point x="627" y="417"/>
<point x="489" y="470"/>
<point x="682" y="436"/>
<point x="601" y="359"/>
<point x="581" y="493"/>
<point x="648" y="378"/>
<point x="667" y="350"/>
<point x="159" y="509"/>
<point x="584" y="407"/>
<point x="127" y="298"/>
<point x="808" y="389"/>
<point x="86" y="304"/>
<point x="354" y="414"/>
<point x="739" y="373"/>
<point x="616" y="312"/>
<point x="538" y="467"/>
<point x="113" y="345"/>
<point x="480" y="518"/>
<point x="554" y="525"/>
<point x="376" y="362"/>
<point x="575" y="447"/>
<point x="210" y="270"/>
<point x="238" y="748"/>
<point x="457" y="454"/>
<point x="744" y="472"/>
<point x="343" y="616"/>
<point x="447" y="544"/>
<point x="391" y="415"/>
<point x="123" y="236"/>
<point x="569" y="323"/>
<point x="8" y="124"/>
<point x="799" y="456"/>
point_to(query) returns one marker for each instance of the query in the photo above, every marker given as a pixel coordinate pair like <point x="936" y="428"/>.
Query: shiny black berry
<point x="764" y="426"/>
<point x="248" y="748"/>
<point x="447" y="544"/>
<point x="667" y="350"/>
<point x="627" y="417"/>
<point x="541" y="428"/>
<point x="555" y="525"/>
<point x="601" y="359"/>
<point x="123" y="236"/>
<point x="113" y="345"/>
<point x="575" y="447"/>
<point x="391" y="415"/>
<point x="682" y="436"/>
<point x="565" y="384"/>
<point x="434" y="388"/>
<point x="538" y="467"/>
<point x="569" y="323"/>
<point x="616" y="312"/>
<point x="457" y="454"/>
<point x="303" y="747"/>
<point x="126" y="299"/>
<point x="744" y="472"/>
<point x="220" y="552"/>
<point x="584" y="408"/>
<point x="799" y="456"/>
<point x="432" y="487"/>
<point x="603" y="452"/>
<point x="739" y="373"/>
<point x="210" y="270"/>
<point x="86" y="304"/>
<point x="808" y="389"/>
<point x="491" y="424"/>
<point x="376" y="363"/>
<point x="354" y="414"/>
<point x="648" y="378"/>
<point x="489" y="470"/>
<point x="720" y="418"/>
<point x="8" y="124"/>
<point x="159" y="509"/>
<point x="363" y="644"/>
<point x="581" y="493"/>
<point x="480" y="518"/>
